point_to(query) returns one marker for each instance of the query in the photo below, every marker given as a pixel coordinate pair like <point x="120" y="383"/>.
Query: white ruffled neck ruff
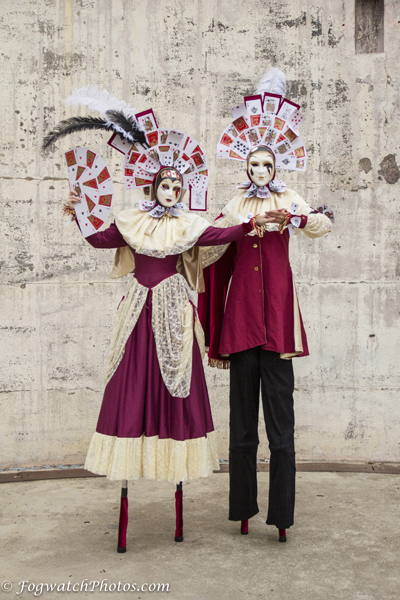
<point x="264" y="191"/>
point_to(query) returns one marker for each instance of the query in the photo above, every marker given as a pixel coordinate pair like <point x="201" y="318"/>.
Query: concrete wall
<point x="191" y="61"/>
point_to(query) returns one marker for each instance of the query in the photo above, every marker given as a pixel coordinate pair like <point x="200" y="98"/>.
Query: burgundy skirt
<point x="144" y="431"/>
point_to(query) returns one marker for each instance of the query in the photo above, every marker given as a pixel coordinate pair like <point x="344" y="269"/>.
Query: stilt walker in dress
<point x="155" y="420"/>
<point x="250" y="311"/>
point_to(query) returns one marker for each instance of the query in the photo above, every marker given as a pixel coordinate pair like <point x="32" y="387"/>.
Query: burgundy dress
<point x="142" y="430"/>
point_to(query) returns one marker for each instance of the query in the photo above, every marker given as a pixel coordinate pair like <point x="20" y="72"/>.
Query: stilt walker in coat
<point x="250" y="311"/>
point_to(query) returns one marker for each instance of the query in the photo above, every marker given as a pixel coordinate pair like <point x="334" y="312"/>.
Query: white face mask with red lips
<point x="168" y="192"/>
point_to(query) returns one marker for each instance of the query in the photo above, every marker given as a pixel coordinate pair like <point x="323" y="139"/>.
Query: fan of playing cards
<point x="167" y="148"/>
<point x="269" y="119"/>
<point x="89" y="176"/>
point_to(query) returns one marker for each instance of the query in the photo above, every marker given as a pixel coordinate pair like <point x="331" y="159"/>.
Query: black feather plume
<point x="126" y="126"/>
<point x="71" y="126"/>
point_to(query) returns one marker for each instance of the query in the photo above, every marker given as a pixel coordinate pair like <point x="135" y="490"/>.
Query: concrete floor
<point x="344" y="545"/>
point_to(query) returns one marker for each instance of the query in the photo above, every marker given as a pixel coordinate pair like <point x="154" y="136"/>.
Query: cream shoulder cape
<point x="160" y="238"/>
<point x="239" y="205"/>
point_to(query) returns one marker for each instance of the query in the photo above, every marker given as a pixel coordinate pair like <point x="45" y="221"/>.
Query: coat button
<point x="256" y="268"/>
<point x="255" y="245"/>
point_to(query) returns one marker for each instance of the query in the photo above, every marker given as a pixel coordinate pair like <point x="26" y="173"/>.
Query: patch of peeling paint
<point x="389" y="169"/>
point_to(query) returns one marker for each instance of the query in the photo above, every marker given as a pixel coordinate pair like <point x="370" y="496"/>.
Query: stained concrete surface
<point x="191" y="61"/>
<point x="344" y="544"/>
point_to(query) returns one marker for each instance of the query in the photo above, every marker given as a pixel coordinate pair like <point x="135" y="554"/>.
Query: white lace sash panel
<point x="173" y="325"/>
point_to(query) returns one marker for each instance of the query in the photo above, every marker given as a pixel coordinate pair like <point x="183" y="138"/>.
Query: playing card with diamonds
<point x="222" y="151"/>
<point x="296" y="120"/>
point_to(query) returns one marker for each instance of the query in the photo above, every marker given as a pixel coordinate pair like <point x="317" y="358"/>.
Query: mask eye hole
<point x="165" y="186"/>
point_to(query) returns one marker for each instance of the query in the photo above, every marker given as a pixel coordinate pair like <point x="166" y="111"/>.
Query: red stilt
<point x="244" y="527"/>
<point x="179" y="513"/>
<point x="123" y="519"/>
<point x="282" y="535"/>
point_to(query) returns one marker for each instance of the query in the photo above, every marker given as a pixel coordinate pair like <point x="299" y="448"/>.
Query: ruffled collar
<point x="157" y="211"/>
<point x="160" y="237"/>
<point x="276" y="185"/>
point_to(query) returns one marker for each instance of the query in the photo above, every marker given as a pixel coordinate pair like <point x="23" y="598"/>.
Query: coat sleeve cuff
<point x="247" y="227"/>
<point x="299" y="221"/>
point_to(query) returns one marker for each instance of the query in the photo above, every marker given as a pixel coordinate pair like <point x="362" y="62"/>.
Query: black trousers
<point x="247" y="369"/>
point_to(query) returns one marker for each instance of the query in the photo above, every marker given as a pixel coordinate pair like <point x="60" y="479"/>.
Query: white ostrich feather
<point x="101" y="100"/>
<point x="273" y="81"/>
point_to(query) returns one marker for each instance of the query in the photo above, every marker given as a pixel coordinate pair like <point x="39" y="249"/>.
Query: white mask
<point x="260" y="166"/>
<point x="168" y="192"/>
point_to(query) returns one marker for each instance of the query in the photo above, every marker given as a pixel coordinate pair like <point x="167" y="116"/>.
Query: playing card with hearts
<point x="119" y="143"/>
<point x="146" y="120"/>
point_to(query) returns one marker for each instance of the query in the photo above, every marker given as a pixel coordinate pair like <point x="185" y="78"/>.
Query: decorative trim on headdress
<point x="266" y="119"/>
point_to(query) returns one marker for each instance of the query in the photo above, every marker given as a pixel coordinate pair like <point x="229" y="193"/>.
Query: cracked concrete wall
<point x="190" y="62"/>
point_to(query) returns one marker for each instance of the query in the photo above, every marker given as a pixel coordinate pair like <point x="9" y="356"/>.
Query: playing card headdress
<point x="147" y="148"/>
<point x="266" y="119"/>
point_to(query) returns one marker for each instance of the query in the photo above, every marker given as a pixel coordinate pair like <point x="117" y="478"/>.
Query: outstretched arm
<point x="109" y="238"/>
<point x="215" y="236"/>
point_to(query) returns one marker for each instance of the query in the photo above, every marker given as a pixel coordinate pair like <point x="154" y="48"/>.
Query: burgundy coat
<point x="258" y="308"/>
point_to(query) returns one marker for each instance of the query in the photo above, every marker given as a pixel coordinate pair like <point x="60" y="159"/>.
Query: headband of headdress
<point x="166" y="173"/>
<point x="268" y="119"/>
<point x="147" y="148"/>
<point x="261" y="148"/>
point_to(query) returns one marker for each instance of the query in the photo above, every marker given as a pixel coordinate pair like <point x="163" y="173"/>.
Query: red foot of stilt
<point x="123" y="521"/>
<point x="244" y="527"/>
<point x="282" y="535"/>
<point x="179" y="513"/>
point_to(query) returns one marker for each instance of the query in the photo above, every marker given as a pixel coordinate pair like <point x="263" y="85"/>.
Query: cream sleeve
<point x="317" y="225"/>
